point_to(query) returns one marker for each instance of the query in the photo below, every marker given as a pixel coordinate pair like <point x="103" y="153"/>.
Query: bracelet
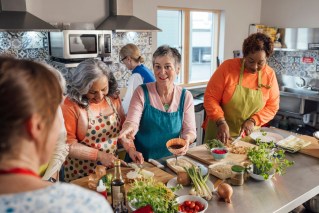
<point x="252" y="120"/>
<point x="220" y="122"/>
<point x="52" y="180"/>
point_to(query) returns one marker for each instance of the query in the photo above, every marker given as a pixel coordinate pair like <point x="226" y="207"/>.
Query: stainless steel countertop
<point x="280" y="194"/>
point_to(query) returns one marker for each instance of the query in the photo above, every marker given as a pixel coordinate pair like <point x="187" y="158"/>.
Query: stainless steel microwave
<point x="79" y="44"/>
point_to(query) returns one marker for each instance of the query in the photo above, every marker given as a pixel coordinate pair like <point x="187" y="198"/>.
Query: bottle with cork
<point x="118" y="189"/>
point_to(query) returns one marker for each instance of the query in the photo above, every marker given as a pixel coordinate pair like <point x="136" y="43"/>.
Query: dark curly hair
<point x="258" y="42"/>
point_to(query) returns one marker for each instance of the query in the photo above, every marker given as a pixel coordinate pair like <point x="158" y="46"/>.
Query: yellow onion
<point x="225" y="191"/>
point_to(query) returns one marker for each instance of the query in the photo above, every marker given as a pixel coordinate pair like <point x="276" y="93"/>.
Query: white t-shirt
<point x="134" y="81"/>
<point x="59" y="197"/>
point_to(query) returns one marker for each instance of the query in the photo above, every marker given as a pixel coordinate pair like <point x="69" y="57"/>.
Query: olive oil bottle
<point x="118" y="187"/>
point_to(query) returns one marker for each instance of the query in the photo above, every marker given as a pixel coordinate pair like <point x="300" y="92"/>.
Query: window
<point x="195" y="34"/>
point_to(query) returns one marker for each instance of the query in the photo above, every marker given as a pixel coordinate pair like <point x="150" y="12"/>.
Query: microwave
<point x="80" y="44"/>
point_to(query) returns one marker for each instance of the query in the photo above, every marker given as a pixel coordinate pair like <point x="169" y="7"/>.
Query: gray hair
<point x="166" y="50"/>
<point x="86" y="73"/>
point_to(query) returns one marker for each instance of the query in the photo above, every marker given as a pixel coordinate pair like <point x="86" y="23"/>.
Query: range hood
<point x="14" y="17"/>
<point x="121" y="18"/>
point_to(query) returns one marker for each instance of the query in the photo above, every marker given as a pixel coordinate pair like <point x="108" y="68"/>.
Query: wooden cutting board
<point x="202" y="154"/>
<point x="159" y="174"/>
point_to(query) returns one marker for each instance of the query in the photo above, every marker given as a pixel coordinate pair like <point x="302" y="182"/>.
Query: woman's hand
<point x="223" y="132"/>
<point x="127" y="133"/>
<point x="247" y="127"/>
<point x="136" y="156"/>
<point x="106" y="159"/>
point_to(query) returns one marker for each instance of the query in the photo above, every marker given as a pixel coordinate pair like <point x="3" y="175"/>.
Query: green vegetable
<point x="214" y="143"/>
<point x="107" y="179"/>
<point x="265" y="159"/>
<point x="149" y="192"/>
<point x="199" y="182"/>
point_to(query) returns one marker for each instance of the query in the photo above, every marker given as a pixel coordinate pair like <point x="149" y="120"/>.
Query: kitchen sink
<point x="298" y="100"/>
<point x="301" y="91"/>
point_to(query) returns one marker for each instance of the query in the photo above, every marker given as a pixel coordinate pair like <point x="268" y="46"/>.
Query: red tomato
<point x="187" y="203"/>
<point x="192" y="205"/>
<point x="197" y="208"/>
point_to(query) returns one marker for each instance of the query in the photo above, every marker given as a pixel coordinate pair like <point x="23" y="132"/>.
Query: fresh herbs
<point x="107" y="179"/>
<point x="214" y="143"/>
<point x="201" y="188"/>
<point x="266" y="159"/>
<point x="149" y="192"/>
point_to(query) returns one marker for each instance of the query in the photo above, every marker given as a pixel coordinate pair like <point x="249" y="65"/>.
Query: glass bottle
<point x="237" y="178"/>
<point x="117" y="186"/>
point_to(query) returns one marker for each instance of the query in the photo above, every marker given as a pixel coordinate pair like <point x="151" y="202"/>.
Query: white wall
<point x="238" y="16"/>
<point x="290" y="13"/>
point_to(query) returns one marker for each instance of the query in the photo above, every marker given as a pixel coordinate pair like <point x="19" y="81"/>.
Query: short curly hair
<point x="258" y="42"/>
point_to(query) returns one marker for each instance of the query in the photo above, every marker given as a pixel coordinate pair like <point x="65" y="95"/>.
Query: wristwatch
<point x="51" y="179"/>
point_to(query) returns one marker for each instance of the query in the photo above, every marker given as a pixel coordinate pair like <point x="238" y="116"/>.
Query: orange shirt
<point x="222" y="84"/>
<point x="76" y="117"/>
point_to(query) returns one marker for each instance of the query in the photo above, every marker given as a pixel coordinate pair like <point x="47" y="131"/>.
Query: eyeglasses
<point x="121" y="60"/>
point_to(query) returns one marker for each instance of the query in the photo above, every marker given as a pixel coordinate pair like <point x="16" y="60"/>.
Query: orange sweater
<point x="222" y="84"/>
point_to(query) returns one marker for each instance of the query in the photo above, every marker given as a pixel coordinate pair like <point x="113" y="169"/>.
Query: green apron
<point x="244" y="103"/>
<point x="156" y="128"/>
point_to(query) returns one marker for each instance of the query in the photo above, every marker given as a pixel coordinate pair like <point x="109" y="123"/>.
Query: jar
<point x="237" y="178"/>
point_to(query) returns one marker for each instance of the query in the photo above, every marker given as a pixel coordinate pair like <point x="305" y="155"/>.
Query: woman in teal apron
<point x="160" y="111"/>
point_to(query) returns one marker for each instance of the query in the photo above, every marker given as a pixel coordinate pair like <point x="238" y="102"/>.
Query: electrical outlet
<point x="150" y="40"/>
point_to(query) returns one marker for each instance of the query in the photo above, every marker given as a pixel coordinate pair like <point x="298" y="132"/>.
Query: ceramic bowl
<point x="177" y="142"/>
<point x="259" y="177"/>
<point x="180" y="200"/>
<point x="219" y="156"/>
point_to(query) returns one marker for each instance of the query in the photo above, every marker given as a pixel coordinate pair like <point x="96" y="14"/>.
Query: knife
<point x="156" y="163"/>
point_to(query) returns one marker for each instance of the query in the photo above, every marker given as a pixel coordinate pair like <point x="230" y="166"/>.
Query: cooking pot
<point x="313" y="204"/>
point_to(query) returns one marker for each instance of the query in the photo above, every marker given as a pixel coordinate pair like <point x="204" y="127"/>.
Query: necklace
<point x="21" y="171"/>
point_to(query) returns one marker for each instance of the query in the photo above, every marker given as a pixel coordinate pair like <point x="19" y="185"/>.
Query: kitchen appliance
<point x="121" y="18"/>
<point x="80" y="44"/>
<point x="14" y="17"/>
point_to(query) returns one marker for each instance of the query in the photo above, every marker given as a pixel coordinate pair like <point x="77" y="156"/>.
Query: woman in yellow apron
<point x="242" y="93"/>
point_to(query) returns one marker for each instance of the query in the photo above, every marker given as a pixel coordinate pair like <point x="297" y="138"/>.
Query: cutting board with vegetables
<point x="202" y="154"/>
<point x="159" y="174"/>
<point x="313" y="148"/>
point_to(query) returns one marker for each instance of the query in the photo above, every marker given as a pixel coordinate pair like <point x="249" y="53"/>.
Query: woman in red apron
<point x="242" y="93"/>
<point x="93" y="119"/>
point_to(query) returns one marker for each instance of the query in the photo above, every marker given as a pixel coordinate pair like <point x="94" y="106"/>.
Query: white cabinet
<point x="199" y="118"/>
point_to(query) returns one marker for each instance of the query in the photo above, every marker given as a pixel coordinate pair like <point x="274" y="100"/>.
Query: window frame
<point x="186" y="42"/>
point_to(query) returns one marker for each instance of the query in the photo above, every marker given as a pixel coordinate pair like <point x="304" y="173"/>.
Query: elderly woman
<point x="29" y="129"/>
<point x="130" y="56"/>
<point x="242" y="93"/>
<point x="161" y="110"/>
<point x="93" y="119"/>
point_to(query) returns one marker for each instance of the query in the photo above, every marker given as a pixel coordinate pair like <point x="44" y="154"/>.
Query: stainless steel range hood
<point x="14" y="17"/>
<point x="121" y="18"/>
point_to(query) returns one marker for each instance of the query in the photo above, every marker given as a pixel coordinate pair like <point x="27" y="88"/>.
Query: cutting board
<point x="159" y="174"/>
<point x="202" y="154"/>
<point x="312" y="149"/>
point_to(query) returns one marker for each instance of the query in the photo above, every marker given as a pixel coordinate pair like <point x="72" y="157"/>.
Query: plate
<point x="185" y="190"/>
<point x="266" y="136"/>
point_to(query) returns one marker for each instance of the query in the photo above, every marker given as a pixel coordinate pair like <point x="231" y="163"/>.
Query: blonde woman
<point x="130" y="56"/>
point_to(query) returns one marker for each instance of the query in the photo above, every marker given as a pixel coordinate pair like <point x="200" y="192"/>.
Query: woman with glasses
<point x="130" y="56"/>
<point x="242" y="93"/>
<point x="161" y="110"/>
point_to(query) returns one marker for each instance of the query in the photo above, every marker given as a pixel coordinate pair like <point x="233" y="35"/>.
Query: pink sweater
<point x="137" y="106"/>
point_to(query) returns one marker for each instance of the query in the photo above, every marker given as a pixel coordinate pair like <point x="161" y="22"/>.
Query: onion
<point x="225" y="191"/>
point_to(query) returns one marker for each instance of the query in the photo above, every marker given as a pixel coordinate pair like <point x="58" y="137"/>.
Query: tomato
<point x="187" y="203"/>
<point x="192" y="205"/>
<point x="197" y="208"/>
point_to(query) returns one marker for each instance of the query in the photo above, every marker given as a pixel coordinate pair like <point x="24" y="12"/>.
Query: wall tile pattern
<point x="34" y="46"/>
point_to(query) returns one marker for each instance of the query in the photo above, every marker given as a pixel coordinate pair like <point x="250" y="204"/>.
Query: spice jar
<point x="237" y="178"/>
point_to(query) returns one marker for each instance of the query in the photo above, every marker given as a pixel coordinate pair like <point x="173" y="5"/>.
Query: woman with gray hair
<point x="93" y="119"/>
<point x="161" y="110"/>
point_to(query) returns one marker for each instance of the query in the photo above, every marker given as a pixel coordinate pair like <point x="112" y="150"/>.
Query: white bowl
<point x="181" y="199"/>
<point x="259" y="177"/>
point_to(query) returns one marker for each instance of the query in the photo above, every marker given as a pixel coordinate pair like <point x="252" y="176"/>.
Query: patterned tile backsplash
<point x="34" y="46"/>
<point x="303" y="63"/>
